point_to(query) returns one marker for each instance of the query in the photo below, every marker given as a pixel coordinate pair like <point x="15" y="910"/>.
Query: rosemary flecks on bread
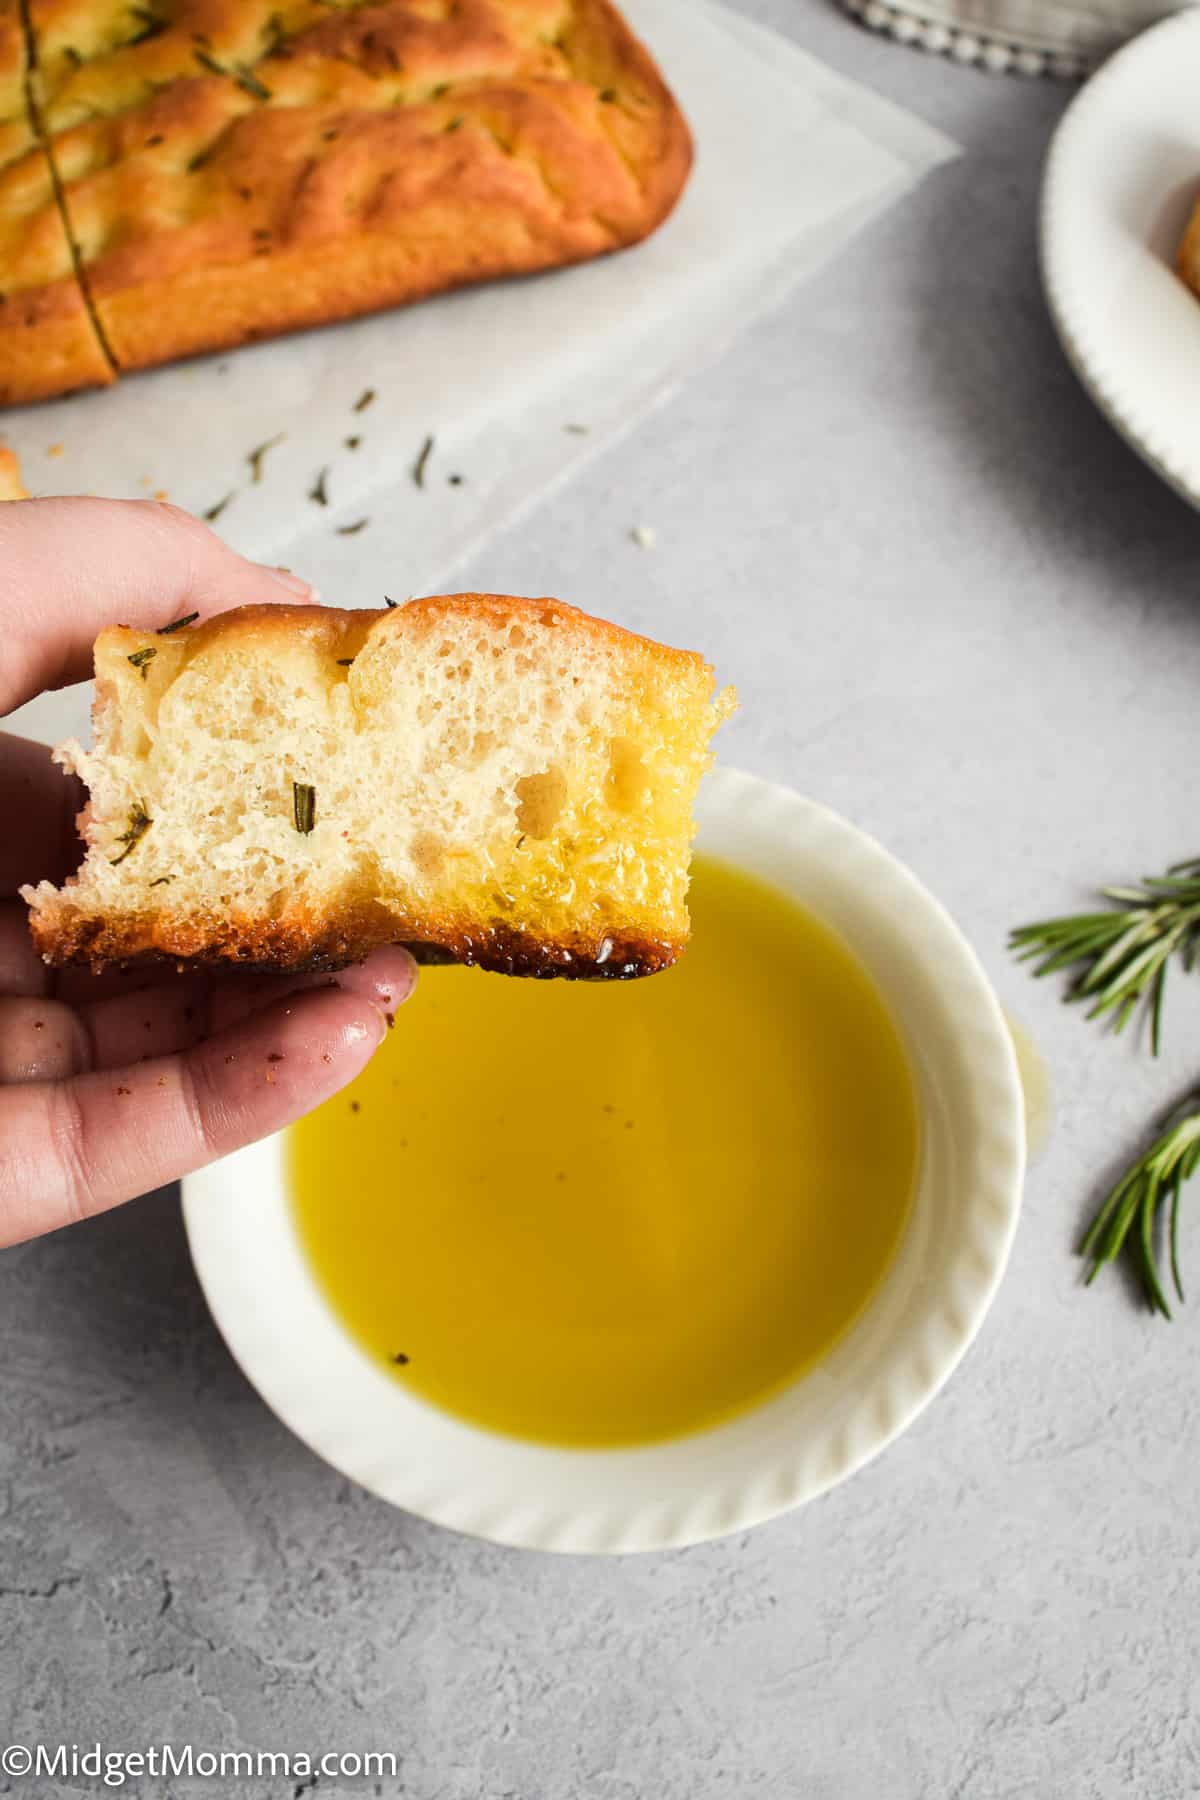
<point x="508" y="782"/>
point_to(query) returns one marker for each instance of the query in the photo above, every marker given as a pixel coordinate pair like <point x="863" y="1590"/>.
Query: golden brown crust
<point x="227" y="179"/>
<point x="296" y="942"/>
<point x="16" y="126"/>
<point x="337" y="628"/>
<point x="48" y="343"/>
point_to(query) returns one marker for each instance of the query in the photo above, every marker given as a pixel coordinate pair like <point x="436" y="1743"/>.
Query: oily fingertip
<point x="329" y="1021"/>
<point x="387" y="976"/>
<point x="282" y="1062"/>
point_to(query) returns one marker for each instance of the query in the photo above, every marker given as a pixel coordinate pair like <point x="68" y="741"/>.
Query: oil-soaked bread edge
<point x="292" y="946"/>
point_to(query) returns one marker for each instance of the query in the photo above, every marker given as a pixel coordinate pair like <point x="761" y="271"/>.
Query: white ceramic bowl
<point x="871" y="1385"/>
<point x="1122" y="176"/>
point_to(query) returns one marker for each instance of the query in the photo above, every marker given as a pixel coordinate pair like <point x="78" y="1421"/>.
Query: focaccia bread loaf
<point x="231" y="169"/>
<point x="48" y="341"/>
<point x="506" y="780"/>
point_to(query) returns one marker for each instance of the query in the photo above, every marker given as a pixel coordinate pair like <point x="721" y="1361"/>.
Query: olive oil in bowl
<point x="609" y="1214"/>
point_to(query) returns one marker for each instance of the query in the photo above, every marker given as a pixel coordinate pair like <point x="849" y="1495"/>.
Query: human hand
<point x="114" y="1084"/>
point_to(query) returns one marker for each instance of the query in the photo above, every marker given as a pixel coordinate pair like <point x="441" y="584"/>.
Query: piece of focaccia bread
<point x="48" y="342"/>
<point x="230" y="171"/>
<point x="506" y="780"/>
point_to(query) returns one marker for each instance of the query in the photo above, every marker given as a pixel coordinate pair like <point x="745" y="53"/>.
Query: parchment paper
<point x="791" y="160"/>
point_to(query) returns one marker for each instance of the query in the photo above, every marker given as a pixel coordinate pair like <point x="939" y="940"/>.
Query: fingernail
<point x="394" y="973"/>
<point x="398" y="991"/>
<point x="294" y="584"/>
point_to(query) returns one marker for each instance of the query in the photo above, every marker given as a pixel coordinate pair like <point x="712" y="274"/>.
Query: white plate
<point x="1121" y="178"/>
<point x="871" y="1385"/>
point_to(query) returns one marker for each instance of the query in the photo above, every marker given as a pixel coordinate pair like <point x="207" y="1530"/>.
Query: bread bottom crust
<point x="297" y="943"/>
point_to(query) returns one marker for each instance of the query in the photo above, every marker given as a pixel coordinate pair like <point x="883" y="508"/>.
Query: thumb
<point x="68" y="567"/>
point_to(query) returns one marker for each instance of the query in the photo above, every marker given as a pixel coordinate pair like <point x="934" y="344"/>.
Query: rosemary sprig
<point x="1126" y="951"/>
<point x="1149" y="1187"/>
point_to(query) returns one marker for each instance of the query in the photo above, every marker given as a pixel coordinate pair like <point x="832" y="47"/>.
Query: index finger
<point x="68" y="567"/>
<point x="69" y="1149"/>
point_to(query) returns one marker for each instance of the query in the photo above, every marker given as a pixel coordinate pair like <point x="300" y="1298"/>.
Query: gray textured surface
<point x="961" y="612"/>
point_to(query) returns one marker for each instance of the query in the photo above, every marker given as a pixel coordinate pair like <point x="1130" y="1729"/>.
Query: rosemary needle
<point x="255" y="458"/>
<point x="304" y="806"/>
<point x="249" y="81"/>
<point x="1150" y="1185"/>
<point x="139" y="824"/>
<point x="1125" y="952"/>
<point x="418" y="468"/>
